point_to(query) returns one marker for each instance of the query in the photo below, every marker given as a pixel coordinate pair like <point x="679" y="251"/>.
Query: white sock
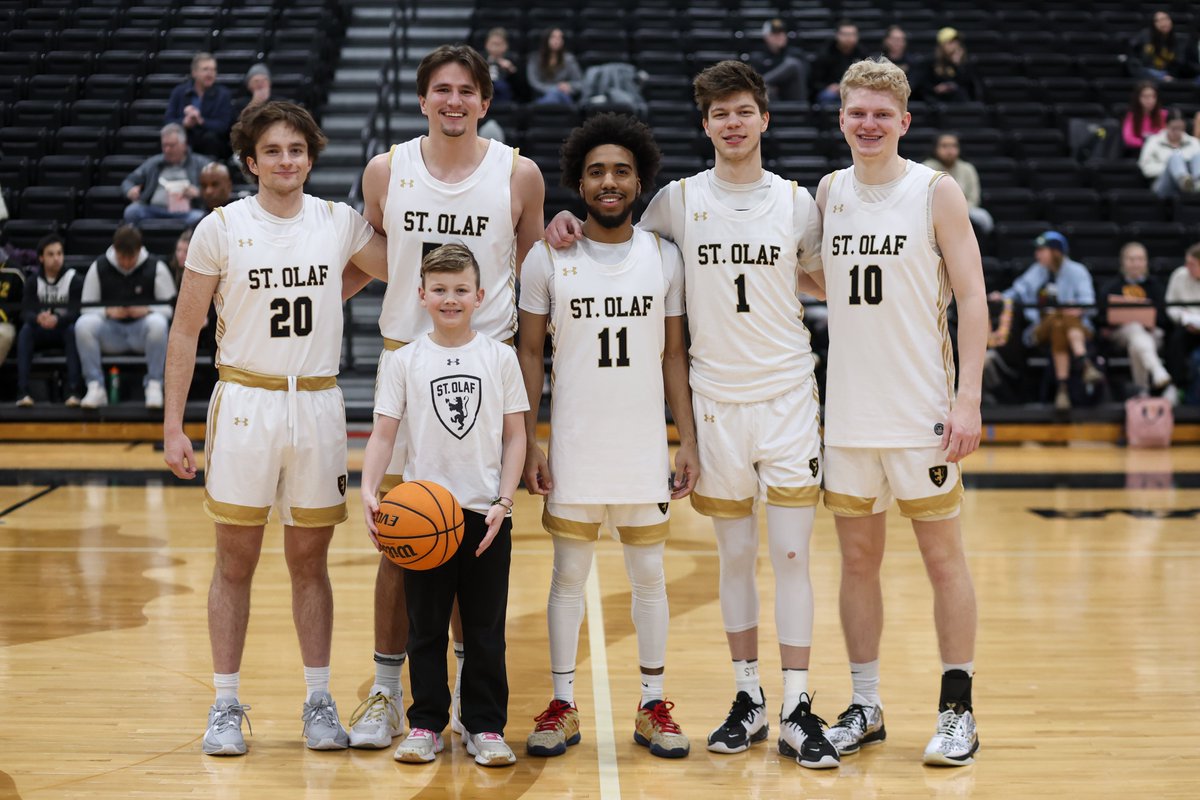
<point x="387" y="672"/>
<point x="795" y="683"/>
<point x="564" y="686"/>
<point x="652" y="687"/>
<point x="745" y="679"/>
<point x="968" y="667"/>
<point x="865" y="678"/>
<point x="226" y="685"/>
<point x="316" y="679"/>
<point x="458" y="656"/>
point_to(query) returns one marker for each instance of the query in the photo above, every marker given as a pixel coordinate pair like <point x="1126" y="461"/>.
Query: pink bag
<point x="1149" y="422"/>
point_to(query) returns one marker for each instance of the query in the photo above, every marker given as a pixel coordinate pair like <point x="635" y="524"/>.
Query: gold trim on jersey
<point x="728" y="509"/>
<point x="569" y="528"/>
<point x="644" y="534"/>
<point x="940" y="505"/>
<point x="233" y="514"/>
<point x="220" y="212"/>
<point x="848" y="505"/>
<point x="793" y="496"/>
<point x="319" y="517"/>
<point x="392" y="344"/>
<point x="275" y="383"/>
<point x="943" y="305"/>
<point x="516" y="158"/>
<point x="388" y="483"/>
<point x="391" y="155"/>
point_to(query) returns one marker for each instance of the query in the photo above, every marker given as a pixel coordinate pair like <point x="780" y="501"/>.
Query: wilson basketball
<point x="420" y="525"/>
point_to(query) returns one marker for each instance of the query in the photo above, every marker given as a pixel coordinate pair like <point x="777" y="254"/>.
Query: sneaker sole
<point x="872" y="738"/>
<point x="326" y="744"/>
<point x="484" y="761"/>
<point x="225" y="750"/>
<point x="414" y="758"/>
<point x="943" y="760"/>
<point x="372" y="742"/>
<point x="557" y="750"/>
<point x="759" y="735"/>
<point x="825" y="762"/>
<point x="661" y="752"/>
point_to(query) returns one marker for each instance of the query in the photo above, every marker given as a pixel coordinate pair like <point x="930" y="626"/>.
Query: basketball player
<point x="276" y="432"/>
<point x="747" y="238"/>
<point x="897" y="243"/>
<point x="463" y="393"/>
<point x="450" y="185"/>
<point x="622" y="288"/>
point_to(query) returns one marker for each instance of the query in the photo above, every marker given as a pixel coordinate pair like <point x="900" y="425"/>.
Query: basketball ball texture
<point x="420" y="525"/>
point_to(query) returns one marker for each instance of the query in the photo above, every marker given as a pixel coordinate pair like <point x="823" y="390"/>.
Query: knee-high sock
<point x="788" y="533"/>
<point x="737" y="544"/>
<point x="651" y="615"/>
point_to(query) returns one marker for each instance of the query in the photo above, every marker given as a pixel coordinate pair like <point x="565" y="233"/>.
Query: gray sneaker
<point x="377" y="720"/>
<point x="856" y="727"/>
<point x="322" y="729"/>
<point x="489" y="749"/>
<point x="224" y="734"/>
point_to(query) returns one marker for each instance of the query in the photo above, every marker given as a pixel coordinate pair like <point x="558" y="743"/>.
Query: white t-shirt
<point x="453" y="401"/>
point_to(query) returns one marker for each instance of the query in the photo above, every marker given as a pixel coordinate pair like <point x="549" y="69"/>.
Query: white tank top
<point x="422" y="213"/>
<point x="608" y="437"/>
<point x="891" y="366"/>
<point x="279" y="300"/>
<point x="748" y="339"/>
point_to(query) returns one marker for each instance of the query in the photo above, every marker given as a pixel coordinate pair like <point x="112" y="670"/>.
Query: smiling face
<point x="281" y="159"/>
<point x="873" y="123"/>
<point x="610" y="185"/>
<point x="451" y="298"/>
<point x="453" y="105"/>
<point x="735" y="125"/>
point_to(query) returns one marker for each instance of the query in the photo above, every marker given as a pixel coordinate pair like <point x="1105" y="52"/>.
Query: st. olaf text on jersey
<point x="762" y="255"/>
<point x="449" y="224"/>
<point x="869" y="244"/>
<point x="287" y="277"/>
<point x="594" y="307"/>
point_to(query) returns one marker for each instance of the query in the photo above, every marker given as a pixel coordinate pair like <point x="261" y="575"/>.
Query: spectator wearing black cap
<point x="258" y="89"/>
<point x="785" y="73"/>
<point x="832" y="64"/>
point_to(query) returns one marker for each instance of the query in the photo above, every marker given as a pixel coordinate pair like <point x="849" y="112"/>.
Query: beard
<point x="610" y="220"/>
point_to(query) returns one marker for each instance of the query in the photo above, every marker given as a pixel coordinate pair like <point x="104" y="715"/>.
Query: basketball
<point x="420" y="525"/>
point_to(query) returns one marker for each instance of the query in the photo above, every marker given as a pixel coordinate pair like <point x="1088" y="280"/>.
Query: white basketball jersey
<point x="891" y="366"/>
<point x="608" y="437"/>
<point x="422" y="213"/>
<point x="279" y="300"/>
<point x="748" y="339"/>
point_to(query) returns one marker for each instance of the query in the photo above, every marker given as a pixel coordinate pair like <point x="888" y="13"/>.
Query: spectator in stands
<point x="1055" y="279"/>
<point x="831" y="65"/>
<point x="12" y="286"/>
<point x="258" y="89"/>
<point x="166" y="186"/>
<point x="1158" y="51"/>
<point x="1183" y="343"/>
<point x="216" y="185"/>
<point x="180" y="258"/>
<point x="1145" y="117"/>
<point x="1171" y="159"/>
<point x="48" y="315"/>
<point x="945" y="159"/>
<point x="132" y="292"/>
<point x="895" y="48"/>
<point x="554" y="74"/>
<point x="949" y="76"/>
<point x="1138" y="329"/>
<point x="507" y="82"/>
<point x="785" y="73"/>
<point x="204" y="108"/>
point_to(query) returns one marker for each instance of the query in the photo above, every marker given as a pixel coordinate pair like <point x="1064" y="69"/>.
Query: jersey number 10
<point x="872" y="285"/>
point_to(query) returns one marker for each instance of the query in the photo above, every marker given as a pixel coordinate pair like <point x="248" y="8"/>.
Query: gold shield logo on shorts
<point x="814" y="466"/>
<point x="342" y="485"/>
<point x="663" y="507"/>
<point x="938" y="475"/>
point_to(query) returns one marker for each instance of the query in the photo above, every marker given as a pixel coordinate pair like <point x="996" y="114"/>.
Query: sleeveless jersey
<point x="748" y="339"/>
<point x="422" y="213"/>
<point x="279" y="300"/>
<point x="891" y="366"/>
<point x="608" y="437"/>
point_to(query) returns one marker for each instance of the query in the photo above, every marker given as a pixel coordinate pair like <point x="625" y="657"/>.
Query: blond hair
<point x="877" y="75"/>
<point x="451" y="259"/>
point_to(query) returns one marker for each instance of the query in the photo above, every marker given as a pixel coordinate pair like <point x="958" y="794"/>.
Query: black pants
<point x="481" y="585"/>
<point x="1180" y="344"/>
<point x="34" y="336"/>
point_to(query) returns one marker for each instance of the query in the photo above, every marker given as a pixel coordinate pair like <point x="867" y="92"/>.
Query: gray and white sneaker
<point x="322" y="728"/>
<point x="489" y="749"/>
<point x="456" y="725"/>
<point x="857" y="726"/>
<point x="420" y="747"/>
<point x="955" y="742"/>
<point x="224" y="734"/>
<point x="377" y="720"/>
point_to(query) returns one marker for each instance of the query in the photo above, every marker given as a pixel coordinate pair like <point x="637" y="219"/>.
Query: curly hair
<point x="619" y="129"/>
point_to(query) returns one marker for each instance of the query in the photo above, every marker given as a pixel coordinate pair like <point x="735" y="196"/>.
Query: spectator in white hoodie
<point x="1171" y="159"/>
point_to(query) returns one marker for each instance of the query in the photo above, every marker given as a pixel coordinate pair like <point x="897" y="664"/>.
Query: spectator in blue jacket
<point x="203" y="108"/>
<point x="166" y="186"/>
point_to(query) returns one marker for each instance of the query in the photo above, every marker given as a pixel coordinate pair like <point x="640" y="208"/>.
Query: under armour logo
<point x="699" y="215"/>
<point x="245" y="243"/>
<point x="839" y="208"/>
<point x="243" y="421"/>
<point x="570" y="271"/>
<point x="406" y="183"/>
<point x="451" y="362"/>
<point x="709" y="418"/>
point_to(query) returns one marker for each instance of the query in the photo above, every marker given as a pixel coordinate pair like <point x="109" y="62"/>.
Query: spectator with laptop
<point x="1132" y="310"/>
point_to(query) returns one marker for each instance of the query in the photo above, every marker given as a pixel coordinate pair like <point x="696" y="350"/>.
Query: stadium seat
<point x="159" y="235"/>
<point x="119" y="87"/>
<point x="1009" y="204"/>
<point x="48" y="203"/>
<point x="1160" y="238"/>
<point x="1135" y="205"/>
<point x="104" y="202"/>
<point x="75" y="63"/>
<point x="1092" y="238"/>
<point x="33" y="142"/>
<point x="82" y="140"/>
<point x="25" y="233"/>
<point x="14" y="172"/>
<point x="89" y="236"/>
<point x="97" y="113"/>
<point x="1071" y="205"/>
<point x="1054" y="173"/>
<point x="36" y="113"/>
<point x="114" y="169"/>
<point x="142" y="140"/>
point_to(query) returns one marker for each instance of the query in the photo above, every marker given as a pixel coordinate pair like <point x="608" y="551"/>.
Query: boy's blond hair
<point x="878" y="75"/>
<point x="449" y="258"/>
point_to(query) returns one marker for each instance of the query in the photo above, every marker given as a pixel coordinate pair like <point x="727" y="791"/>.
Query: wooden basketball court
<point x="1085" y="561"/>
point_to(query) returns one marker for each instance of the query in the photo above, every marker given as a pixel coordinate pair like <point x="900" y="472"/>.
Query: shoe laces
<point x="803" y="718"/>
<point x="231" y="716"/>
<point x="950" y="723"/>
<point x="660" y="715"/>
<point x="854" y="718"/>
<point x="552" y="717"/>
<point x="323" y="711"/>
<point x="421" y="733"/>
<point x="375" y="708"/>
<point x="741" y="711"/>
<point x="491" y="738"/>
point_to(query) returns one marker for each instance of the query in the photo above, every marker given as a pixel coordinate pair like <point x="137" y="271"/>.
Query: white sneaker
<point x="72" y="402"/>
<point x="857" y="727"/>
<point x="489" y="749"/>
<point x="955" y="743"/>
<point x="377" y="720"/>
<point x="154" y="395"/>
<point x="420" y="747"/>
<point x="456" y="713"/>
<point x="95" y="396"/>
<point x="25" y="402"/>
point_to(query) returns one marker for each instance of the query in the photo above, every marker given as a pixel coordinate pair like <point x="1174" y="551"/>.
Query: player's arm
<point x="815" y="283"/>
<point x="371" y="260"/>
<point x="191" y="311"/>
<point x="529" y="190"/>
<point x="530" y="346"/>
<point x="956" y="239"/>
<point x="512" y="459"/>
<point x="679" y="399"/>
<point x="375" y="462"/>
<point x="374" y="189"/>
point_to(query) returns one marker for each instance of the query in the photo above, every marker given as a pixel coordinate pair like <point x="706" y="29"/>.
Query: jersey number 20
<point x="291" y="317"/>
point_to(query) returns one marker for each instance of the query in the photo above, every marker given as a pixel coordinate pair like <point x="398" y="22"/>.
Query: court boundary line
<point x="28" y="500"/>
<point x="606" y="743"/>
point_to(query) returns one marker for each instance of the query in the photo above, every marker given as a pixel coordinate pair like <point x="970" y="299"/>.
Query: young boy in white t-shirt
<point x="463" y="398"/>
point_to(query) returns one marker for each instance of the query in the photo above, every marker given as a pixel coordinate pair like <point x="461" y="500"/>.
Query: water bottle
<point x="114" y="385"/>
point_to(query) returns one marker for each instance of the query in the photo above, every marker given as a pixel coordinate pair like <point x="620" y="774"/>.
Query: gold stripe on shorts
<point x="388" y="483"/>
<point x="319" y="517"/>
<point x="233" y="514"/>
<point x="569" y="528"/>
<point x="728" y="509"/>
<point x="793" y="496"/>
<point x="275" y="383"/>
<point x="392" y="344"/>
<point x="939" y="505"/>
<point x="848" y="505"/>
<point x="644" y="534"/>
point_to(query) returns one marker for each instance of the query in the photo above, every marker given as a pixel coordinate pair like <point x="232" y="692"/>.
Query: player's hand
<point x="537" y="472"/>
<point x="177" y="452"/>
<point x="370" y="509"/>
<point x="494" y="519"/>
<point x="961" y="437"/>
<point x="687" y="471"/>
<point x="564" y="230"/>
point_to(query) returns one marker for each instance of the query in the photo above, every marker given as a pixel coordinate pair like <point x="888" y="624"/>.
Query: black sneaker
<point x="802" y="737"/>
<point x="745" y="725"/>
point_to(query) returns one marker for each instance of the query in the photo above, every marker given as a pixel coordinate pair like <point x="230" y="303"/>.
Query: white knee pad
<point x="788" y="533"/>
<point x="650" y="611"/>
<point x="565" y="608"/>
<point x="737" y="544"/>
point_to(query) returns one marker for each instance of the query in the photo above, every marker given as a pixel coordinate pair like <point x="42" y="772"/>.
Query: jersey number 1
<point x="622" y="349"/>
<point x="291" y="317"/>
<point x="872" y="290"/>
